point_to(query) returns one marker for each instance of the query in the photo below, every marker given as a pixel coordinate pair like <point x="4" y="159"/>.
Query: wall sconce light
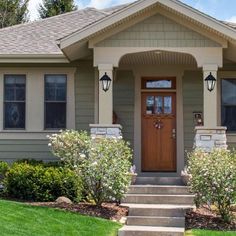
<point x="211" y="82"/>
<point x="106" y="82"/>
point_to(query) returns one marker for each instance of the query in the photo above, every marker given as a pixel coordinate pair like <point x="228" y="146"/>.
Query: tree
<point x="13" y="12"/>
<point x="50" y="8"/>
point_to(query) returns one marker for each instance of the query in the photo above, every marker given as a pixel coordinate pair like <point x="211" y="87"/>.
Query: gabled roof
<point x="41" y="37"/>
<point x="188" y="12"/>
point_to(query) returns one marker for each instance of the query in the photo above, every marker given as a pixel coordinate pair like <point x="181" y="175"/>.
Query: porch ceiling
<point x="158" y="58"/>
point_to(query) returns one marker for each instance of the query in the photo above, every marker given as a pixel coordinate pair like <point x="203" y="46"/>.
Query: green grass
<point x="209" y="233"/>
<point x="18" y="219"/>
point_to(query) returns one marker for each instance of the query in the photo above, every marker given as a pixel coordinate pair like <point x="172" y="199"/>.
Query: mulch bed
<point x="203" y="218"/>
<point x="109" y="211"/>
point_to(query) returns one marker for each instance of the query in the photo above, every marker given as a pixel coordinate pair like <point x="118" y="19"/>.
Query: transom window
<point x="55" y="101"/>
<point x="228" y="104"/>
<point x="14" y="101"/>
<point x="158" y="83"/>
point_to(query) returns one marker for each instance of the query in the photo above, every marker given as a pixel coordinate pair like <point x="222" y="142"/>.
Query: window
<point x="14" y="101"/>
<point x="228" y="104"/>
<point x="55" y="101"/>
<point x="158" y="83"/>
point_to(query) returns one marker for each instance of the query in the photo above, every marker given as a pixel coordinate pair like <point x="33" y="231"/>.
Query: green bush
<point x="34" y="162"/>
<point x="4" y="167"/>
<point x="39" y="183"/>
<point x="214" y="179"/>
<point x="103" y="164"/>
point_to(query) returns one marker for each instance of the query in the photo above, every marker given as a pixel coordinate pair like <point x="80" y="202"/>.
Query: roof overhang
<point x="190" y="13"/>
<point x="33" y="58"/>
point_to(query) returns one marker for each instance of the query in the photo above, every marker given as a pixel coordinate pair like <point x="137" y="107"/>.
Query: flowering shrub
<point x="214" y="179"/>
<point x="103" y="164"/>
<point x="70" y="146"/>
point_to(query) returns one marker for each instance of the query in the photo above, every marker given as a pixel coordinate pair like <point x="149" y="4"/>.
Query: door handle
<point x="174" y="133"/>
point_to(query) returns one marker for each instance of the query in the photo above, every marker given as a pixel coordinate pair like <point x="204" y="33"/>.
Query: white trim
<point x="135" y="8"/>
<point x="33" y="58"/>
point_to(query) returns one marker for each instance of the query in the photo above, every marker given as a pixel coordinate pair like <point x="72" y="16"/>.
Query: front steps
<point x="157" y="206"/>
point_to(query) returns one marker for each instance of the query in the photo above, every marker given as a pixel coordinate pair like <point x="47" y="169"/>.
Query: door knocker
<point x="158" y="124"/>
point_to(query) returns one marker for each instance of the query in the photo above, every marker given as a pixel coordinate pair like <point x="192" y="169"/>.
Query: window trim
<point x="221" y="102"/>
<point x="64" y="102"/>
<point x="145" y="79"/>
<point x="4" y="102"/>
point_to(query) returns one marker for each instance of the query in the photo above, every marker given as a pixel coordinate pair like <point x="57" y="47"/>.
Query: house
<point x="172" y="68"/>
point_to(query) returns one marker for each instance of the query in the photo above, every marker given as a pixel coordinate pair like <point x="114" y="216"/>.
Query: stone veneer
<point x="210" y="138"/>
<point x="106" y="131"/>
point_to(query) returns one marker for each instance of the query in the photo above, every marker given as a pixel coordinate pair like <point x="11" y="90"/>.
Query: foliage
<point x="21" y="219"/>
<point x="71" y="146"/>
<point x="13" y="12"/>
<point x="39" y="183"/>
<point x="4" y="167"/>
<point x="214" y="179"/>
<point x="103" y="164"/>
<point x="50" y="8"/>
<point x="40" y="162"/>
<point x="200" y="232"/>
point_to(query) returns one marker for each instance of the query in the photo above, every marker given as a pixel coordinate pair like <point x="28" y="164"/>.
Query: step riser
<point x="159" y="181"/>
<point x="163" y="222"/>
<point x="138" y="233"/>
<point x="158" y="190"/>
<point x="159" y="200"/>
<point x="157" y="212"/>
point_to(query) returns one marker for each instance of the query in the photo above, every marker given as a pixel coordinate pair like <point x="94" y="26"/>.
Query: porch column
<point x="210" y="98"/>
<point x="105" y="127"/>
<point x="105" y="104"/>
<point x="210" y="135"/>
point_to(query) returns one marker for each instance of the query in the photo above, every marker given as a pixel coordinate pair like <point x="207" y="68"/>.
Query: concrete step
<point x="162" y="210"/>
<point x="158" y="199"/>
<point x="156" y="221"/>
<point x="159" y="181"/>
<point x="158" y="189"/>
<point x="128" y="230"/>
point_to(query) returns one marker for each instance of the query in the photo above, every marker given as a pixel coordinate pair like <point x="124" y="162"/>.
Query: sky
<point x="220" y="9"/>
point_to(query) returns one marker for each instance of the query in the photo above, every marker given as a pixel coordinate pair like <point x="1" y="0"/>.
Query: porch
<point x="194" y="105"/>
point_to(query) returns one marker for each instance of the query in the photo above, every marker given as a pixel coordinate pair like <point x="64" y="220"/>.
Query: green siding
<point x="84" y="96"/>
<point x="25" y="149"/>
<point x="192" y="102"/>
<point x="124" y="103"/>
<point x="157" y="31"/>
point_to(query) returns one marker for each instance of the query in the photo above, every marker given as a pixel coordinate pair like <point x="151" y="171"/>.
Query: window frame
<point x="144" y="80"/>
<point x="62" y="102"/>
<point x="4" y="102"/>
<point x="221" y="102"/>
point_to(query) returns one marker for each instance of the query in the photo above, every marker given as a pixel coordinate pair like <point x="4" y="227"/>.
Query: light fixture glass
<point x="106" y="82"/>
<point x="211" y="82"/>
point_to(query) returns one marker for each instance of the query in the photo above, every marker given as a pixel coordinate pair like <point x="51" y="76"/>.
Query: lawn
<point x="18" y="219"/>
<point x="209" y="233"/>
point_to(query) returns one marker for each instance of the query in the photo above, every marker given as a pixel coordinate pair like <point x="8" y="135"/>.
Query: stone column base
<point x="105" y="131"/>
<point x="209" y="138"/>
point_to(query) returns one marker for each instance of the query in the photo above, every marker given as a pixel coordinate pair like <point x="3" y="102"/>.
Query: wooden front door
<point x="159" y="131"/>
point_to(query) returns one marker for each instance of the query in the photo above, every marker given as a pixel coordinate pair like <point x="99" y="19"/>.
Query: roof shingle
<point x="40" y="37"/>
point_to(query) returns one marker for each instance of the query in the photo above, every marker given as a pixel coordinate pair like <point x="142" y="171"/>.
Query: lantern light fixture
<point x="211" y="82"/>
<point x="106" y="82"/>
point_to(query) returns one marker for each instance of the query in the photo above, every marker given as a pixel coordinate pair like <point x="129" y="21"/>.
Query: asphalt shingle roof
<point x="40" y="37"/>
